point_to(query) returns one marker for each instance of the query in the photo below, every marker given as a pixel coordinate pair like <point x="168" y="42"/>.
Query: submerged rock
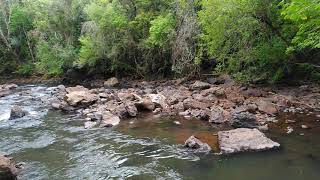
<point x="196" y="145"/>
<point x="17" y="112"/>
<point x="8" y="170"/>
<point x="244" y="139"/>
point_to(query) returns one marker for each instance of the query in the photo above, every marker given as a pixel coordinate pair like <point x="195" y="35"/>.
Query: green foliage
<point x="161" y="30"/>
<point x="305" y="14"/>
<point x="253" y="40"/>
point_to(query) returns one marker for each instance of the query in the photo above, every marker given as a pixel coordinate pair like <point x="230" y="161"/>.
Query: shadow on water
<point x="54" y="145"/>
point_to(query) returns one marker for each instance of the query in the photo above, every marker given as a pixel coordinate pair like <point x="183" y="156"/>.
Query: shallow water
<point x="53" y="145"/>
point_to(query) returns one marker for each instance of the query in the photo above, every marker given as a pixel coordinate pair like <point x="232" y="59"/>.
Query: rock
<point x="196" y="145"/>
<point x="199" y="85"/>
<point x="159" y="100"/>
<point x="4" y="93"/>
<point x="90" y="124"/>
<point x="244" y="120"/>
<point x="131" y="109"/>
<point x="264" y="128"/>
<point x="109" y="120"/>
<point x="289" y="130"/>
<point x="145" y="104"/>
<point x="288" y="121"/>
<point x="8" y="169"/>
<point x="126" y="96"/>
<point x="177" y="122"/>
<point x="80" y="96"/>
<point x="17" y="112"/>
<point x="8" y="86"/>
<point x="305" y="127"/>
<point x="218" y="115"/>
<point x="244" y="139"/>
<point x="200" y="114"/>
<point x="194" y="104"/>
<point x="111" y="82"/>
<point x="267" y="107"/>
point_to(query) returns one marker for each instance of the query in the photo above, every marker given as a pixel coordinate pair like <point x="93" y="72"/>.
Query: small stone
<point x="305" y="127"/>
<point x="177" y="122"/>
<point x="290" y="121"/>
<point x="289" y="130"/>
<point x="263" y="128"/>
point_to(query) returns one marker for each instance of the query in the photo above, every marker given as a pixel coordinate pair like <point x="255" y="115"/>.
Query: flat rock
<point x="195" y="144"/>
<point x="243" y="140"/>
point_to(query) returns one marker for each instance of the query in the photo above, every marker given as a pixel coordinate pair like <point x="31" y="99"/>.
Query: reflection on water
<point x="53" y="145"/>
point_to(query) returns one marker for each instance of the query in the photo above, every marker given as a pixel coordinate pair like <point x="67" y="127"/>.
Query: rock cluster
<point x="239" y="106"/>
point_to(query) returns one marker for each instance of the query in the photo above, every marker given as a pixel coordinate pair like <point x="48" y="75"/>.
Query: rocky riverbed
<point x="240" y="114"/>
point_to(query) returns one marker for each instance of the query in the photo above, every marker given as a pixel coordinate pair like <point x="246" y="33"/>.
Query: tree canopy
<point x="252" y="40"/>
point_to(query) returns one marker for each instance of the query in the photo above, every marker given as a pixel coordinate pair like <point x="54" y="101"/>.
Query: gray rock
<point x="244" y="120"/>
<point x="199" y="85"/>
<point x="244" y="139"/>
<point x="111" y="82"/>
<point x="90" y="124"/>
<point x="196" y="145"/>
<point x="17" y="112"/>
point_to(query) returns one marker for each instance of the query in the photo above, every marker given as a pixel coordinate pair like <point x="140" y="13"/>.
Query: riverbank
<point x="172" y="110"/>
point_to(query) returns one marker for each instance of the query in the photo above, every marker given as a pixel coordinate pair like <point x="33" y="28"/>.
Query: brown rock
<point x="8" y="170"/>
<point x="193" y="104"/>
<point x="267" y="107"/>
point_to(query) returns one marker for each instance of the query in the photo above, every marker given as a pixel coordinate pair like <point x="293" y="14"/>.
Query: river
<point x="55" y="145"/>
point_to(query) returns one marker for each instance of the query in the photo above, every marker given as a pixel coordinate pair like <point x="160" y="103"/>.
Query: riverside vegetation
<point x="252" y="40"/>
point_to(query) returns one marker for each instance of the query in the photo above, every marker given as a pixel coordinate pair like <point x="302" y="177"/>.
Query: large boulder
<point x="109" y="120"/>
<point x="80" y="96"/>
<point x="17" y="112"/>
<point x="8" y="170"/>
<point x="111" y="82"/>
<point x="195" y="144"/>
<point x="244" y="120"/>
<point x="244" y="139"/>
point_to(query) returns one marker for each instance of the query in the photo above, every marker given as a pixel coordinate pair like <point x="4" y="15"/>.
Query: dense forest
<point x="252" y="40"/>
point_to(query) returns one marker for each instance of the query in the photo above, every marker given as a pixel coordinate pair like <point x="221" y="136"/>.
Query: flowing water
<point x="54" y="145"/>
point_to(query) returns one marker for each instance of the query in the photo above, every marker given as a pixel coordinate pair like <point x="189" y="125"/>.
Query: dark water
<point x="53" y="145"/>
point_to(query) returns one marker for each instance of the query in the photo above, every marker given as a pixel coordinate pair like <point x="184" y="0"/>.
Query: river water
<point x="54" y="145"/>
